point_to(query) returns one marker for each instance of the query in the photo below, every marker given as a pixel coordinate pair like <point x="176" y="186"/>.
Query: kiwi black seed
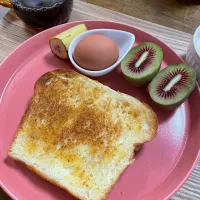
<point x="142" y="63"/>
<point x="172" y="85"/>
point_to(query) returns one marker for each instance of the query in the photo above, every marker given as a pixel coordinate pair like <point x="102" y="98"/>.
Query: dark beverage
<point x="43" y="13"/>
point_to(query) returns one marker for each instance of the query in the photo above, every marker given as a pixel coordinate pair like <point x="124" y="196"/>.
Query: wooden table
<point x="182" y="15"/>
<point x="15" y="33"/>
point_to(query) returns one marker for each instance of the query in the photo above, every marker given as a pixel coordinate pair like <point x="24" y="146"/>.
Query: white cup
<point x="193" y="53"/>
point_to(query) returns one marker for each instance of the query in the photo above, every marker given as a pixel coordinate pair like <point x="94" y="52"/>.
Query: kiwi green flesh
<point x="182" y="93"/>
<point x="142" y="77"/>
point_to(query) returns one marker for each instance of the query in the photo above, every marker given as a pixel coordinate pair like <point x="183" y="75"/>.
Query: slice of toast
<point x="81" y="135"/>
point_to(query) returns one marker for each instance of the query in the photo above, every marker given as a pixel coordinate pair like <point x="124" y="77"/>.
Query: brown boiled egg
<point x="96" y="52"/>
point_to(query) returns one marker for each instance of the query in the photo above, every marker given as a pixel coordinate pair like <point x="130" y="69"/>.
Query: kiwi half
<point x="142" y="63"/>
<point x="172" y="85"/>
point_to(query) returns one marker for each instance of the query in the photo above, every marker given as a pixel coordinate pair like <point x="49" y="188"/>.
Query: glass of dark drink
<point x="41" y="13"/>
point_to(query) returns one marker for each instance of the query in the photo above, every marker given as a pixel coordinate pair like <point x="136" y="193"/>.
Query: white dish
<point x="193" y="53"/>
<point x="123" y="39"/>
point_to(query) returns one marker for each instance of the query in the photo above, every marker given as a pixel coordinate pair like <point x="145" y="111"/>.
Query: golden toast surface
<point x="82" y="130"/>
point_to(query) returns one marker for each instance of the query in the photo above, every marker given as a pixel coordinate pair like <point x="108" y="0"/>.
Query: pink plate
<point x="161" y="166"/>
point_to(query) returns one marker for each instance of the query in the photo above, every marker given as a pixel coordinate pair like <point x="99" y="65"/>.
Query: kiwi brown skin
<point x="189" y="87"/>
<point x="141" y="76"/>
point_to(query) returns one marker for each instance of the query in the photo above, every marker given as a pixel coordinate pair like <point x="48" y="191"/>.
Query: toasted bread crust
<point x="46" y="178"/>
<point x="56" y="106"/>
